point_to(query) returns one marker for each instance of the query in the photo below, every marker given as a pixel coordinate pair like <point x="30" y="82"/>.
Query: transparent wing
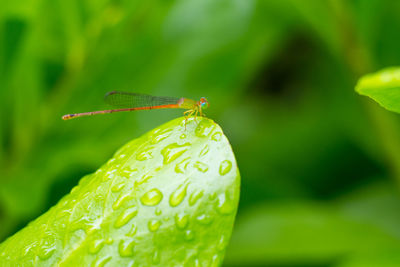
<point x="134" y="100"/>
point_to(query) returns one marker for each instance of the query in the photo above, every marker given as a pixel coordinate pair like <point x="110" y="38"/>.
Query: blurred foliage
<point x="320" y="165"/>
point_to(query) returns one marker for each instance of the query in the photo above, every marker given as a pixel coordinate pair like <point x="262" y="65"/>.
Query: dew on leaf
<point x="96" y="245"/>
<point x="152" y="197"/>
<point x="154" y="225"/>
<point x="216" y="136"/>
<point x="189" y="235"/>
<point x="225" y="167"/>
<point x="181" y="220"/>
<point x="178" y="195"/>
<point x="102" y="261"/>
<point x="204" y="219"/>
<point x="182" y="166"/>
<point x="125" y="247"/>
<point x="173" y="151"/>
<point x="204" y="151"/>
<point x="195" y="196"/>
<point x="200" y="166"/>
<point x="126" y="216"/>
<point x="121" y="200"/>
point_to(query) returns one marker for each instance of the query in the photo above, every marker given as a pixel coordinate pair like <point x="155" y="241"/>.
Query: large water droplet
<point x="178" y="195"/>
<point x="182" y="166"/>
<point x="121" y="200"/>
<point x="173" y="151"/>
<point x="96" y="245"/>
<point x="181" y="220"/>
<point x="46" y="250"/>
<point x="204" y="128"/>
<point x="154" y="225"/>
<point x="205" y="219"/>
<point x="125" y="247"/>
<point x="126" y="216"/>
<point x="225" y="204"/>
<point x="196" y="195"/>
<point x="202" y="167"/>
<point x="225" y="167"/>
<point x="152" y="197"/>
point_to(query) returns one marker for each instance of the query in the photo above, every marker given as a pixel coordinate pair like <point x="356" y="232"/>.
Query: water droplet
<point x="225" y="204"/>
<point x="46" y="250"/>
<point x="101" y="262"/>
<point x="212" y="196"/>
<point x="182" y="166"/>
<point x="126" y="173"/>
<point x="202" y="167"/>
<point x="161" y="136"/>
<point x="181" y="220"/>
<point x="189" y="235"/>
<point x="204" y="219"/>
<point x="125" y="247"/>
<point x="121" y="200"/>
<point x="216" y="136"/>
<point x="204" y="128"/>
<point x="133" y="230"/>
<point x="96" y="245"/>
<point x="117" y="187"/>
<point x="143" y="179"/>
<point x="215" y="261"/>
<point x="154" y="225"/>
<point x="225" y="167"/>
<point x="196" y="195"/>
<point x="204" y="151"/>
<point x="109" y="175"/>
<point x="222" y="243"/>
<point x="152" y="197"/>
<point x="178" y="195"/>
<point x="158" y="211"/>
<point x="173" y="151"/>
<point x="109" y="241"/>
<point x="144" y="155"/>
<point x="183" y="136"/>
<point x="156" y="257"/>
<point x="126" y="216"/>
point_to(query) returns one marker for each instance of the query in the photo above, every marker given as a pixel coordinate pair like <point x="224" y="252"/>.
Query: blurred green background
<point x="320" y="165"/>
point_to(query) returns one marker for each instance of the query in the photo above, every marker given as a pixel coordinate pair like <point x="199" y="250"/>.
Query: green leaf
<point x="168" y="198"/>
<point x="383" y="87"/>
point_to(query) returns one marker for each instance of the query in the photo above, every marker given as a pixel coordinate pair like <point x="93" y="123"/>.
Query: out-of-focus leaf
<point x="317" y="232"/>
<point x="390" y="258"/>
<point x="383" y="87"/>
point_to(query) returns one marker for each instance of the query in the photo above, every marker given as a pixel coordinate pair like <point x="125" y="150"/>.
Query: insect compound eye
<point x="203" y="103"/>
